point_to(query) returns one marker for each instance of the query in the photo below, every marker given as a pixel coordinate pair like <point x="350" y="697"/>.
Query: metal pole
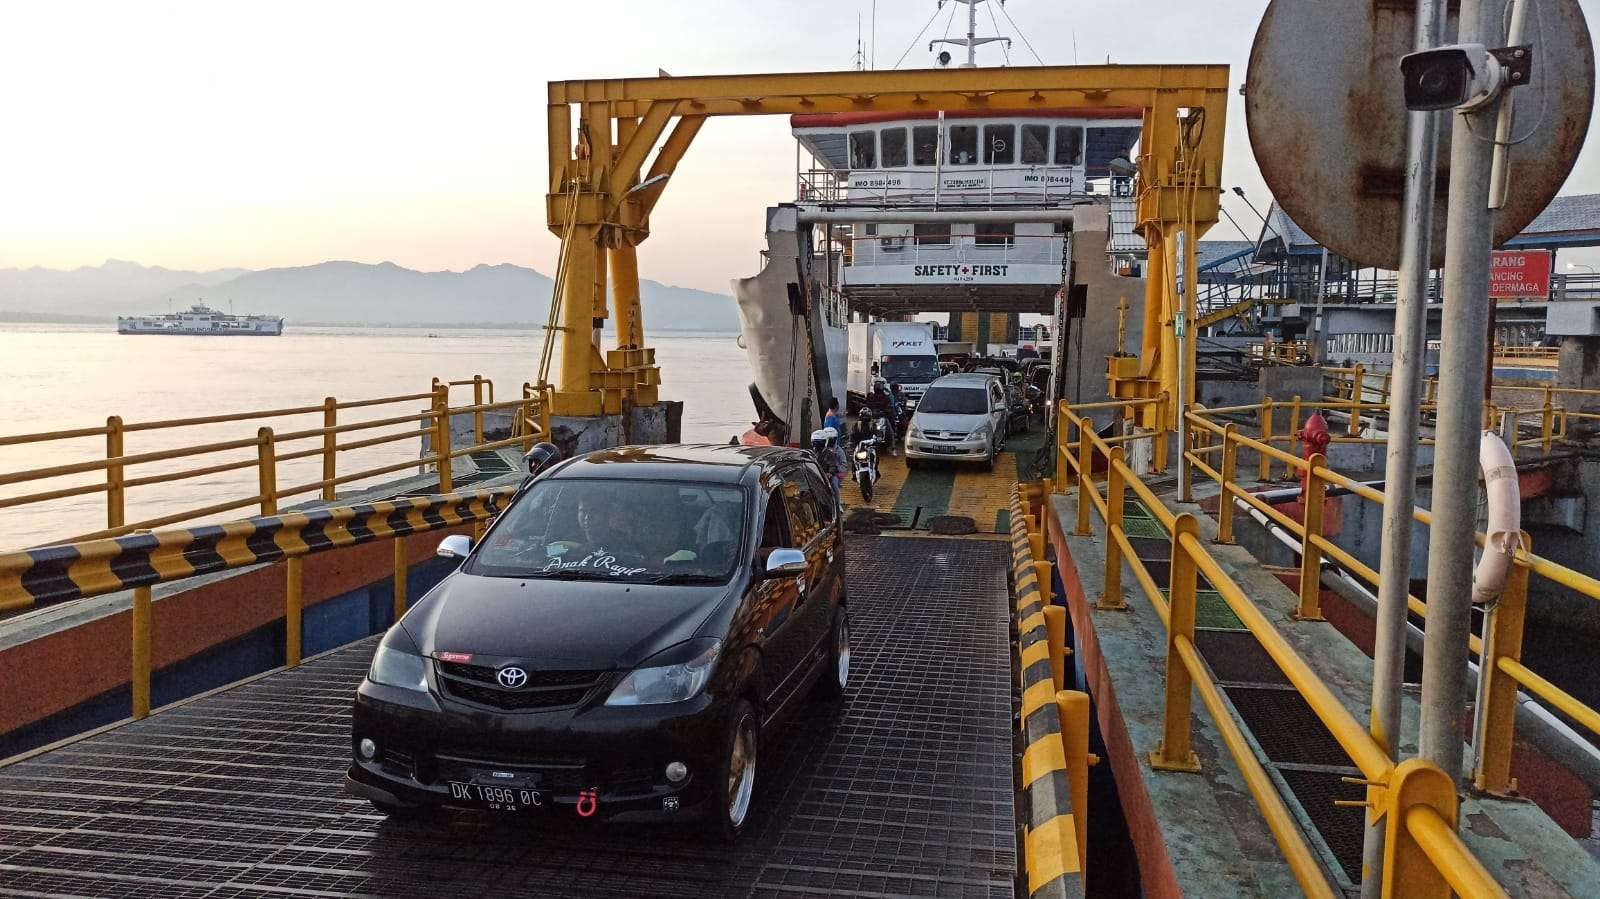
<point x="1463" y="338"/>
<point x="1405" y="423"/>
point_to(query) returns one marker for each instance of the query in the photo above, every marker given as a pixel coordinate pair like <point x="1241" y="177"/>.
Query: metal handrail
<point x="1505" y="622"/>
<point x="114" y="471"/>
<point x="1444" y="852"/>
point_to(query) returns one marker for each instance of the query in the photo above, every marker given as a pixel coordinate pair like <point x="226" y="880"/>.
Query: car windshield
<point x="955" y="401"/>
<point x="617" y="530"/>
<point x="913" y="369"/>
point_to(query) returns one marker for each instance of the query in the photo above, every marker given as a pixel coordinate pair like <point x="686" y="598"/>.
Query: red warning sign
<point x="1520" y="275"/>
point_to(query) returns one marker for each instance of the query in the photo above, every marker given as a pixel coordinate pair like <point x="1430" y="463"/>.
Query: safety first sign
<point x="1520" y="275"/>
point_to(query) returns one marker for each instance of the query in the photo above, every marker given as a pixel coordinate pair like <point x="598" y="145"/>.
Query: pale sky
<point x="205" y="135"/>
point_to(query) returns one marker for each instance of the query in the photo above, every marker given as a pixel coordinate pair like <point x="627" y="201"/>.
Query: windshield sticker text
<point x="599" y="560"/>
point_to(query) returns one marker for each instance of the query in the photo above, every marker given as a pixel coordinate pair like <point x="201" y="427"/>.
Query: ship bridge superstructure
<point x="961" y="210"/>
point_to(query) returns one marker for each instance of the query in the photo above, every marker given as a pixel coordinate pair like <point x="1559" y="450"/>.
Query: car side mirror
<point x="455" y="546"/>
<point x="785" y="563"/>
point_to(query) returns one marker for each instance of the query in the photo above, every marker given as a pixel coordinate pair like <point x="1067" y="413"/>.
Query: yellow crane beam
<point x="601" y="195"/>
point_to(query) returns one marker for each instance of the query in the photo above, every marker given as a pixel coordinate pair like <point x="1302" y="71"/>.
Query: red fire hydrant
<point x="1314" y="438"/>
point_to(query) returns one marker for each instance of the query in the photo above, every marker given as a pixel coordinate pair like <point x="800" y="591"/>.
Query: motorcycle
<point x="865" y="464"/>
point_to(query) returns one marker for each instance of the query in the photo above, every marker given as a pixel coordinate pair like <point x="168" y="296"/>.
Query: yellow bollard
<point x="441" y="436"/>
<point x="1174" y="754"/>
<point x="477" y="414"/>
<point x="1085" y="478"/>
<point x="1310" y="553"/>
<point x="401" y="572"/>
<point x="1055" y="629"/>
<point x="291" y="612"/>
<point x="1073" y="708"/>
<point x="330" y="448"/>
<point x="1265" y="474"/>
<point x="1044" y="572"/>
<point x="1230" y="463"/>
<point x="1503" y="633"/>
<point x="267" y="471"/>
<point x="140" y="681"/>
<point x="1116" y="495"/>
<point x="115" y="495"/>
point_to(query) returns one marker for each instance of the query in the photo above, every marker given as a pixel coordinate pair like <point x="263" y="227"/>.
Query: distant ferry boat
<point x="201" y="319"/>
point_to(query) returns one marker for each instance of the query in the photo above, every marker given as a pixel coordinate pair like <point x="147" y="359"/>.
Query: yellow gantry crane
<point x="602" y="134"/>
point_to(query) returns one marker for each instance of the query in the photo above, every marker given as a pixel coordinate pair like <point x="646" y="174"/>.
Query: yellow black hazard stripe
<point x="1050" y="849"/>
<point x="57" y="574"/>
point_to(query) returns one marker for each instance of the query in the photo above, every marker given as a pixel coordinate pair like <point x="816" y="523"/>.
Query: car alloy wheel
<point x="836" y="676"/>
<point x="841" y="652"/>
<point x="741" y="771"/>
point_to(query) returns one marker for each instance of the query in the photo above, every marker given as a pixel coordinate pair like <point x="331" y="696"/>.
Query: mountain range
<point x="334" y="293"/>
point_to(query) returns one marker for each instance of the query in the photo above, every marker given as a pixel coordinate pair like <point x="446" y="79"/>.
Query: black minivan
<point x="616" y="643"/>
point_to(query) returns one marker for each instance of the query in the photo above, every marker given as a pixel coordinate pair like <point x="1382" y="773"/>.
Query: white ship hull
<point x="202" y="321"/>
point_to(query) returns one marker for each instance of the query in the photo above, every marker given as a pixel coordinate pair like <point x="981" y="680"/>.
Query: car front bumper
<point x="923" y="448"/>
<point x="620" y="754"/>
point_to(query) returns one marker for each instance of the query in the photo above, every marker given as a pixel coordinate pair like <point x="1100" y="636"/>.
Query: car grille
<point x="543" y="690"/>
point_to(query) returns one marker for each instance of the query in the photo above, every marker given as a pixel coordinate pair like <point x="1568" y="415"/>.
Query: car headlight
<point x="656" y="683"/>
<point x="397" y="668"/>
<point x="915" y="431"/>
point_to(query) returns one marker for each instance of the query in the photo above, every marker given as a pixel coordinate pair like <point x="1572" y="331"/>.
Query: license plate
<point x="504" y="799"/>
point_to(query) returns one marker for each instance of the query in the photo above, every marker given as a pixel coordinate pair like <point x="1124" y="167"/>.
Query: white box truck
<point x="902" y="353"/>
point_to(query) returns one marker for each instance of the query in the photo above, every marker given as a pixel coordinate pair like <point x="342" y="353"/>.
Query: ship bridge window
<point x="935" y="234"/>
<point x="863" y="149"/>
<point x="1106" y="144"/>
<point x="1069" y="145"/>
<point x="925" y="145"/>
<point x="999" y="144"/>
<point x="995" y="234"/>
<point x="892" y="141"/>
<point x="1035" y="144"/>
<point x="964" y="145"/>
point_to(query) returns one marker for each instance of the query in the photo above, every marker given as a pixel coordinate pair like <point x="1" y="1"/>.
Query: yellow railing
<point x="1539" y="416"/>
<point x="1425" y="856"/>
<point x="1287" y="352"/>
<point x="1504" y="627"/>
<point x="266" y="452"/>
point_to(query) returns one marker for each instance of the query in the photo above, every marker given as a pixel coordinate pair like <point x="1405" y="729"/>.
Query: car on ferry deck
<point x="963" y="417"/>
<point x="616" y="645"/>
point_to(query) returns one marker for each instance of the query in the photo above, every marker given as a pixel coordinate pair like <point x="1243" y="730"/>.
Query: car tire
<point x="733" y="784"/>
<point x="836" y="678"/>
<point x="988" y="463"/>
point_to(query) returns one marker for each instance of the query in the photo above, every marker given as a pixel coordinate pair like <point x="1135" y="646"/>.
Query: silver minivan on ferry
<point x="962" y="417"/>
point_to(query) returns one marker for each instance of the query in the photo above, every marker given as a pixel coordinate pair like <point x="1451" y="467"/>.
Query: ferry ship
<point x="202" y="320"/>
<point x="966" y="213"/>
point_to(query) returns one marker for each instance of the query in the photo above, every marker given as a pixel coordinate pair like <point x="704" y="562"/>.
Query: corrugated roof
<point x="1210" y="252"/>
<point x="1579" y="212"/>
<point x="1282" y="229"/>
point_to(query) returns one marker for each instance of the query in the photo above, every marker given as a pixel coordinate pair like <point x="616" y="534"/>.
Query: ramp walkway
<point x="905" y="790"/>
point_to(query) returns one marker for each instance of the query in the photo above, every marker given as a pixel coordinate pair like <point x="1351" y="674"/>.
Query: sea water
<point x="57" y="377"/>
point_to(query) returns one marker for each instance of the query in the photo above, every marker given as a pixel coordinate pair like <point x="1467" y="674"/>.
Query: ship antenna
<point x="972" y="41"/>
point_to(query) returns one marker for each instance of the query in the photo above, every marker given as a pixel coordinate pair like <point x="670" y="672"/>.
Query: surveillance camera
<point x="1458" y="76"/>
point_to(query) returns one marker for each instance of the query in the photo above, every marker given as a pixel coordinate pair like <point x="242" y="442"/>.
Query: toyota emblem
<point x="512" y="677"/>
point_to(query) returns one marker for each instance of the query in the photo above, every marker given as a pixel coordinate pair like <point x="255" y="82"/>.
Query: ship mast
<point x="971" y="41"/>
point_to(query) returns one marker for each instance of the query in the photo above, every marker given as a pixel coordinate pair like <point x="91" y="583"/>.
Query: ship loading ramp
<point x="905" y="790"/>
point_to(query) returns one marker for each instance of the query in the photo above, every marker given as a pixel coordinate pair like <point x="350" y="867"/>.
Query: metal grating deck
<point x="905" y="791"/>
